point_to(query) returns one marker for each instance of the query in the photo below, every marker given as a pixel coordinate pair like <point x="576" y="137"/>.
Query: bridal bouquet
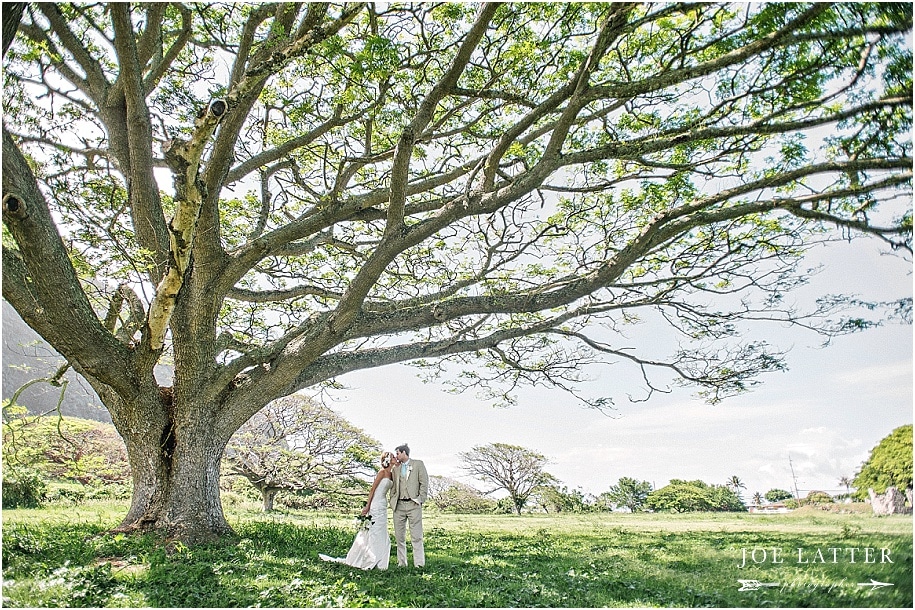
<point x="364" y="521"/>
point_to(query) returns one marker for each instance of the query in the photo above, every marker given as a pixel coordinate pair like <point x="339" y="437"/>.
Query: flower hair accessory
<point x="387" y="458"/>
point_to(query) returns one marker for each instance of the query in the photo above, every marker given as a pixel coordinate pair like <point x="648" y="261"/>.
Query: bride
<point x="372" y="546"/>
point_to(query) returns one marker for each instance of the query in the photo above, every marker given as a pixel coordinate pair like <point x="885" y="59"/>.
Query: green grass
<point x="56" y="557"/>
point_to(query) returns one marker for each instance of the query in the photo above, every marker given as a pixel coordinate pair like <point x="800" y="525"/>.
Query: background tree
<point x="777" y="495"/>
<point x="451" y="496"/>
<point x="735" y="484"/>
<point x="679" y="497"/>
<point x="691" y="496"/>
<point x="514" y="469"/>
<point x="817" y="497"/>
<point x="724" y="499"/>
<point x="846" y="482"/>
<point x="273" y="195"/>
<point x="889" y="464"/>
<point x="757" y="499"/>
<point x="553" y="497"/>
<point x="628" y="492"/>
<point x="295" y="444"/>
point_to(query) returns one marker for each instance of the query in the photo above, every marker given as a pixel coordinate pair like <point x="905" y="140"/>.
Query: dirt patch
<point x="121" y="566"/>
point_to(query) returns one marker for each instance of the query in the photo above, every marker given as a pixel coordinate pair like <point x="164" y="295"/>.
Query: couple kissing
<point x="403" y="484"/>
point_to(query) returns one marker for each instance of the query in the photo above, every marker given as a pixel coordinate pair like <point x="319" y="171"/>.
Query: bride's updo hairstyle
<point x="386" y="459"/>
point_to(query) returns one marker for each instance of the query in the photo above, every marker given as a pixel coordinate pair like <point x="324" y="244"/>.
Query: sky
<point x="821" y="417"/>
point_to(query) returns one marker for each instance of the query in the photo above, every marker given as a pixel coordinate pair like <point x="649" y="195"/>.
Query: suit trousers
<point x="413" y="513"/>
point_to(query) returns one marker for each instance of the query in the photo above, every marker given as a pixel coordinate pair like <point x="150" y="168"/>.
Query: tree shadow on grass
<point x="276" y="564"/>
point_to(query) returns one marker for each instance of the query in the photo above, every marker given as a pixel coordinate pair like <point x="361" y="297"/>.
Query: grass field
<point x="62" y="557"/>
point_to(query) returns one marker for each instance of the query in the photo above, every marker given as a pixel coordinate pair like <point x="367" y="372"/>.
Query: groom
<point x="411" y="485"/>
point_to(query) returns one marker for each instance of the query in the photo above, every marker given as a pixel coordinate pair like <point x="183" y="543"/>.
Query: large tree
<point x="273" y="195"/>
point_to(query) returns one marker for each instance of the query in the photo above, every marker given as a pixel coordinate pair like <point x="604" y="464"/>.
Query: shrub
<point x="465" y="503"/>
<point x="558" y="499"/>
<point x="307" y="499"/>
<point x="818" y="497"/>
<point x="240" y="486"/>
<point x="298" y="502"/>
<point x="65" y="492"/>
<point x="504" y="506"/>
<point x="75" y="493"/>
<point x="236" y="499"/>
<point x="23" y="488"/>
<point x="109" y="491"/>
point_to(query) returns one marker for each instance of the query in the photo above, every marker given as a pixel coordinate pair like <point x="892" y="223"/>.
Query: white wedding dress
<point x="372" y="546"/>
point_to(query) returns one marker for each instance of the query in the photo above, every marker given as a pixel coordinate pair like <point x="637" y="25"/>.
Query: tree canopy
<point x="555" y="497"/>
<point x="691" y="496"/>
<point x="270" y="196"/>
<point x="777" y="495"/>
<point x="628" y="492"/>
<point x="889" y="464"/>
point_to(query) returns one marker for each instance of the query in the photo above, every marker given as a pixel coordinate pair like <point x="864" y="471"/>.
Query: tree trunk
<point x="174" y="463"/>
<point x="269" y="494"/>
<point x="12" y="14"/>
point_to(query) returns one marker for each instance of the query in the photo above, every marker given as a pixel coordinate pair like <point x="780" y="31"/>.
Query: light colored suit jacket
<point x="415" y="485"/>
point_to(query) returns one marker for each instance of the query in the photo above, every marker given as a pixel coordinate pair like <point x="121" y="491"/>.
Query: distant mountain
<point x="26" y="356"/>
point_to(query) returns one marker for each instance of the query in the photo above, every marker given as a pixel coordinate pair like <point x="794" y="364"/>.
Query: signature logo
<point x="875" y="584"/>
<point x="754" y="585"/>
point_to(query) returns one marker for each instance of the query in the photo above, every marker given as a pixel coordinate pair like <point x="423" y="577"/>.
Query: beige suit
<point x="414" y="487"/>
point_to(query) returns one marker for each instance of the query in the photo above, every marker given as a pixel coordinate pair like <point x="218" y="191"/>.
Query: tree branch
<point x="142" y="189"/>
<point x="59" y="309"/>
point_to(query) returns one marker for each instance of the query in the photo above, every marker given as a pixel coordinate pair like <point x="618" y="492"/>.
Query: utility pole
<point x="797" y="496"/>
